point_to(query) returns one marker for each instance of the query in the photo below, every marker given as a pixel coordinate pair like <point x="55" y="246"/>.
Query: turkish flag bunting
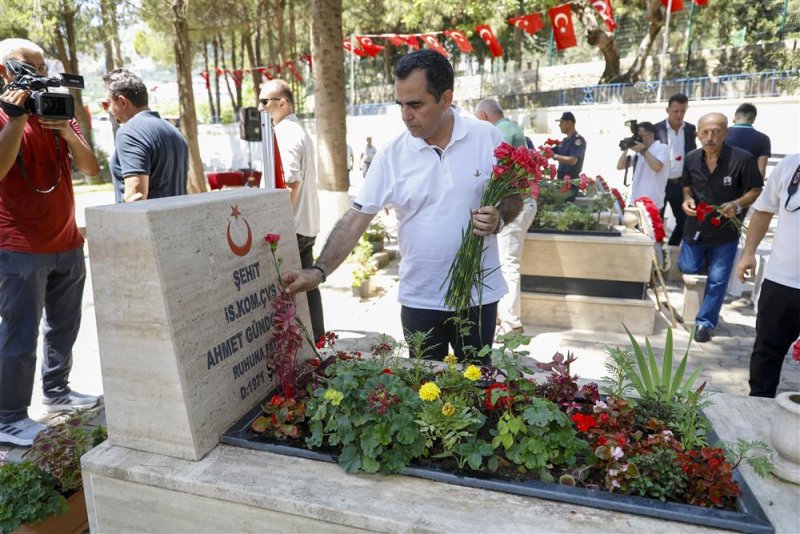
<point x="410" y="40"/>
<point x="603" y="7"/>
<point x="204" y="75"/>
<point x="460" y="39"/>
<point x="219" y="71"/>
<point x="528" y="23"/>
<point x="563" y="30"/>
<point x="393" y="39"/>
<point x="237" y="77"/>
<point x="369" y="47"/>
<point x="677" y="5"/>
<point x="433" y="43"/>
<point x="307" y="59"/>
<point x="263" y="71"/>
<point x="350" y="47"/>
<point x="701" y="2"/>
<point x="294" y="71"/>
<point x="487" y="35"/>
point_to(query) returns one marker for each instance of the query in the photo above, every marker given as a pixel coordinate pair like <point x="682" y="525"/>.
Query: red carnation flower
<point x="678" y="158"/>
<point x="716" y="221"/>
<point x="272" y="240"/>
<point x="387" y="371"/>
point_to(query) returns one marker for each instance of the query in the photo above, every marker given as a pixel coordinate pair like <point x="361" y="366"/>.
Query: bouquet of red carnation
<point x="704" y="209"/>
<point x="518" y="171"/>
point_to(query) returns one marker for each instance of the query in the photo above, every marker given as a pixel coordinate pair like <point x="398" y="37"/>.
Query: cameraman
<point x="650" y="164"/>
<point x="41" y="250"/>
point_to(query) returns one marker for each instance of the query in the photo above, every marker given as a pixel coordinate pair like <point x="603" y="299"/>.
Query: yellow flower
<point x="334" y="396"/>
<point x="472" y="373"/>
<point x="429" y="392"/>
<point x="448" y="409"/>
<point x="451" y="360"/>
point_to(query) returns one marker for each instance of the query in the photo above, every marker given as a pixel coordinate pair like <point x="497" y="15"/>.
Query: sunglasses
<point x="266" y="101"/>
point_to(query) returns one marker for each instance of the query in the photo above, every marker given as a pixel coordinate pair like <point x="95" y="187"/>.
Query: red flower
<point x="504" y="150"/>
<point x="314" y="362"/>
<point x="602" y="440"/>
<point x="276" y="400"/>
<point x="603" y="417"/>
<point x="321" y="342"/>
<point x="796" y="351"/>
<point x="504" y="402"/>
<point x="716" y="221"/>
<point x="678" y="158"/>
<point x="272" y="240"/>
<point x="583" y="422"/>
<point x="552" y="142"/>
<point x="654" y="217"/>
<point x="703" y="209"/>
<point x="387" y="371"/>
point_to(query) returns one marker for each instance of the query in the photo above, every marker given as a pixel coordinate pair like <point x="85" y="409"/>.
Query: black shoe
<point x="702" y="334"/>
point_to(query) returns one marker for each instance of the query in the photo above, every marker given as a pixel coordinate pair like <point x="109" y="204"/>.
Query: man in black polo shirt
<point x="151" y="158"/>
<point x="727" y="178"/>
<point x="569" y="154"/>
<point x="743" y="135"/>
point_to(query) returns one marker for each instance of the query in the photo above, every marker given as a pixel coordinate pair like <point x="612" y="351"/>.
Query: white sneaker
<point x="21" y="432"/>
<point x="71" y="401"/>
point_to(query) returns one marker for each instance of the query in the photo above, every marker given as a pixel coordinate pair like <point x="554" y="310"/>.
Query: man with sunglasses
<point x="151" y="158"/>
<point x="778" y="319"/>
<point x="300" y="173"/>
<point x="42" y="265"/>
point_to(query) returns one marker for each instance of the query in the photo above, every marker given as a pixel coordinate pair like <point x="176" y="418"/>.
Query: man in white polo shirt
<point x="778" y="320"/>
<point x="433" y="175"/>
<point x="299" y="165"/>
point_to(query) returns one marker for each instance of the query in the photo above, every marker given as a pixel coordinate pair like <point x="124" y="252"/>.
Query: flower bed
<point x="494" y="427"/>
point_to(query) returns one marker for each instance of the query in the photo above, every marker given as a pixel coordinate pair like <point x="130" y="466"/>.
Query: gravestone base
<point x="694" y="288"/>
<point x="242" y="490"/>
<point x="589" y="313"/>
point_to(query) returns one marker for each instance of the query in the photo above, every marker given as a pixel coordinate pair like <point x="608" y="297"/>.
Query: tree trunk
<point x="518" y="48"/>
<point x="655" y="18"/>
<point x="183" y="64"/>
<point x="215" y="46"/>
<point x="602" y="39"/>
<point x="68" y="54"/>
<point x="328" y="60"/>
<point x="111" y="44"/>
<point x="280" y="6"/>
<point x="252" y="58"/>
<point x="211" y="110"/>
<point x="225" y="74"/>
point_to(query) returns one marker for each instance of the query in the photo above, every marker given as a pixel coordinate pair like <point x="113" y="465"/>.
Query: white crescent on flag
<point x="522" y="24"/>
<point x="486" y="35"/>
<point x="561" y="28"/>
<point x="600" y="5"/>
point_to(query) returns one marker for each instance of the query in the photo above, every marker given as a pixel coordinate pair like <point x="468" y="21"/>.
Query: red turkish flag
<point x="603" y="7"/>
<point x="701" y="2"/>
<point x="677" y="5"/>
<point x="393" y="39"/>
<point x="204" y="75"/>
<point x="307" y="59"/>
<point x="290" y="65"/>
<point x="368" y="46"/>
<point x="410" y="40"/>
<point x="238" y="77"/>
<point x="460" y="40"/>
<point x="433" y="43"/>
<point x="487" y="35"/>
<point x="563" y="30"/>
<point x="528" y="23"/>
<point x="350" y="47"/>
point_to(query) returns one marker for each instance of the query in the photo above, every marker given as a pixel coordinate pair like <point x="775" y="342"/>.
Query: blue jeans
<point x="720" y="264"/>
<point x="29" y="285"/>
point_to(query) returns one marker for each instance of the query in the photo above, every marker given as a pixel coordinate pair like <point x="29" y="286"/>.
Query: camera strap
<point x="58" y="164"/>
<point x="792" y="189"/>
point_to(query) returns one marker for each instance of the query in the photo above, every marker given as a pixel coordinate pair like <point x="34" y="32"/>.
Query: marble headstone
<point x="183" y="291"/>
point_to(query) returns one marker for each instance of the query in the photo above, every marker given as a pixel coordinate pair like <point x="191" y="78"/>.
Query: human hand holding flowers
<point x="485" y="220"/>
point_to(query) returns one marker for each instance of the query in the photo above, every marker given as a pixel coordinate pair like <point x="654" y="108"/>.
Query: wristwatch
<point x="321" y="270"/>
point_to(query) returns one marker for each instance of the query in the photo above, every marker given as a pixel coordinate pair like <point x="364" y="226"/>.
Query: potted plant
<point x="376" y="235"/>
<point x="44" y="493"/>
<point x="361" y="280"/>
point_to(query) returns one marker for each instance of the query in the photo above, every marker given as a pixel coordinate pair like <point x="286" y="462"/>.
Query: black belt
<point x="674" y="180"/>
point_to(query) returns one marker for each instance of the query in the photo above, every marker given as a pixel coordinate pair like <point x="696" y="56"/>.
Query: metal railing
<point x="745" y="85"/>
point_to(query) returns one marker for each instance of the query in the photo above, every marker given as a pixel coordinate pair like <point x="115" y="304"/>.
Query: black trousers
<point x="306" y="246"/>
<point x="777" y="326"/>
<point x="674" y="197"/>
<point x="445" y="332"/>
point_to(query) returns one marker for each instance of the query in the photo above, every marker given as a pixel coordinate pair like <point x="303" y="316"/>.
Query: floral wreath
<point x="654" y="227"/>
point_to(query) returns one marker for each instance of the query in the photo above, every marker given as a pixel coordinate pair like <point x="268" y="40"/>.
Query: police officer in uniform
<point x="569" y="154"/>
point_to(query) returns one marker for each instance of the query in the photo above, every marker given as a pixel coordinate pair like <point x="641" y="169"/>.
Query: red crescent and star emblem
<point x="239" y="250"/>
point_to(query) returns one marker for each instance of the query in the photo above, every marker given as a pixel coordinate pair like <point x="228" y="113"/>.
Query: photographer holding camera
<point x="41" y="250"/>
<point x="650" y="164"/>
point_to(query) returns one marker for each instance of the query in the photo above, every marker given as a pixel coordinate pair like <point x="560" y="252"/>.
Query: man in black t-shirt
<point x="744" y="136"/>
<point x="726" y="180"/>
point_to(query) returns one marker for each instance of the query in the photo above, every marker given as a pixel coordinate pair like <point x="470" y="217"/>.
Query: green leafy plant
<point x="27" y="495"/>
<point x="362" y="273"/>
<point x="741" y="450"/>
<point x="664" y="383"/>
<point x="375" y="231"/>
<point x="660" y="475"/>
<point x="618" y="370"/>
<point x="57" y="450"/>
<point x="280" y="418"/>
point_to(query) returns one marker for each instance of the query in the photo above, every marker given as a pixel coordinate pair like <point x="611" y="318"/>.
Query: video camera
<point x="628" y="142"/>
<point x="40" y="102"/>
